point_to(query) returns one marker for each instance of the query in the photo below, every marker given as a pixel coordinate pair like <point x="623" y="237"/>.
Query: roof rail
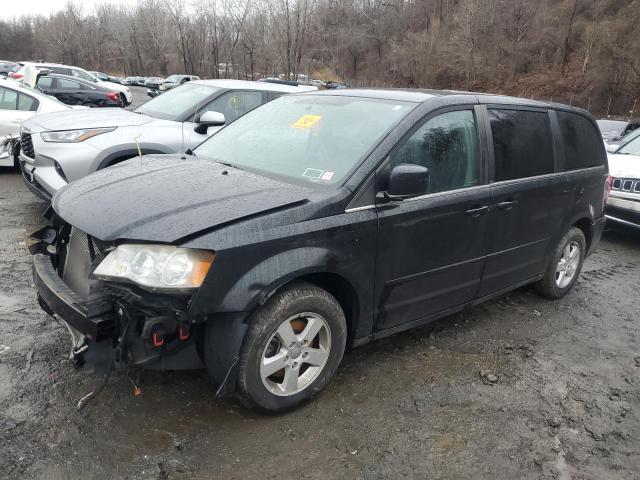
<point x="279" y="82"/>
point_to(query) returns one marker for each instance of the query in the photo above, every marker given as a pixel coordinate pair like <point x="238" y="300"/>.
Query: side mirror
<point x="406" y="181"/>
<point x="209" y="119"/>
<point x="611" y="148"/>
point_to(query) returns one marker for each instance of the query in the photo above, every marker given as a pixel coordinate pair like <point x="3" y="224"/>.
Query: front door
<point x="431" y="249"/>
<point x="232" y="105"/>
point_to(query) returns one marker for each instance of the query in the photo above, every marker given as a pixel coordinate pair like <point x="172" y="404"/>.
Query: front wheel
<point x="292" y="348"/>
<point x="565" y="265"/>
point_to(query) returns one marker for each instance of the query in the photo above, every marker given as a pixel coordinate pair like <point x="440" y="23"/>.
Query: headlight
<point x="156" y="266"/>
<point x="74" y="136"/>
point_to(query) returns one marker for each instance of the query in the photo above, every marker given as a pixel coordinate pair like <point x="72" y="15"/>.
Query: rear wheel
<point x="292" y="348"/>
<point x="565" y="265"/>
<point x="123" y="100"/>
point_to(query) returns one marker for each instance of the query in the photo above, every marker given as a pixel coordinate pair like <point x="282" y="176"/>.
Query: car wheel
<point x="123" y="100"/>
<point x="292" y="348"/>
<point x="565" y="265"/>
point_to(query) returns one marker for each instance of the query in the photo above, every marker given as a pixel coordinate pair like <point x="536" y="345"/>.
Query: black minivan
<point x="318" y="222"/>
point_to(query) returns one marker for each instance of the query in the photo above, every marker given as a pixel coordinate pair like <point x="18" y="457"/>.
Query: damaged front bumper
<point x="113" y="326"/>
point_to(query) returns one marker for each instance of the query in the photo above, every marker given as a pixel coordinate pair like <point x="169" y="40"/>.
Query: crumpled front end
<point x="114" y="326"/>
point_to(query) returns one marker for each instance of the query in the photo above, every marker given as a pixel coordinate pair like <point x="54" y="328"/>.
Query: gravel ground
<point x="520" y="387"/>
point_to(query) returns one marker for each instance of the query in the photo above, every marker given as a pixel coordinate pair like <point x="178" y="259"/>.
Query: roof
<point x="250" y="85"/>
<point x="423" y="95"/>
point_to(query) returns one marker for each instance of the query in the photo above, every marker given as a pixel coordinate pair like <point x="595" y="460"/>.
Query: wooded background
<point x="582" y="52"/>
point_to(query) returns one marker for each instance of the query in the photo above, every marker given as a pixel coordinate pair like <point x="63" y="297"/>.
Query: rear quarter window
<point x="522" y="143"/>
<point x="582" y="142"/>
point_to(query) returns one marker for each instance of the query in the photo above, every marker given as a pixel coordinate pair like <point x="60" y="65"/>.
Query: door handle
<point x="476" y="211"/>
<point x="507" y="204"/>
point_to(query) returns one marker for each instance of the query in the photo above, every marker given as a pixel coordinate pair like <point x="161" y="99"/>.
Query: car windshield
<point x="306" y="138"/>
<point x="631" y="148"/>
<point x="611" y="126"/>
<point x="178" y="103"/>
<point x="173" y="78"/>
<point x="630" y="136"/>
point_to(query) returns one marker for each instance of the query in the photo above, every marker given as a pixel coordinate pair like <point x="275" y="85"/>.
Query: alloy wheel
<point x="295" y="354"/>
<point x="568" y="264"/>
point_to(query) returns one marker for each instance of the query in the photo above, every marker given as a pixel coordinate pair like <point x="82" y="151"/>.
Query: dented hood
<point x="163" y="198"/>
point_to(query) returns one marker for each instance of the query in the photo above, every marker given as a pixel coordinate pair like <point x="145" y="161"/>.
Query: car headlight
<point x="74" y="136"/>
<point x="162" y="267"/>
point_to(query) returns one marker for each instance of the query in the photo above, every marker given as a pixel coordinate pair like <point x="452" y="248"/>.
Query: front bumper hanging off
<point x="66" y="303"/>
<point x="116" y="325"/>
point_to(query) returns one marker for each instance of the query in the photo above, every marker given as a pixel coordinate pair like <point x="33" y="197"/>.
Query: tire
<point x="304" y="308"/>
<point x="554" y="284"/>
<point x="123" y="100"/>
<point x="16" y="154"/>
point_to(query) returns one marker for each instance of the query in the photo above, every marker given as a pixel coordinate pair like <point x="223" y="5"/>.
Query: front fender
<point x="259" y="283"/>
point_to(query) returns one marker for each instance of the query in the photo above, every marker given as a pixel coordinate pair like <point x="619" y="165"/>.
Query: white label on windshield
<point x="313" y="173"/>
<point x="326" y="176"/>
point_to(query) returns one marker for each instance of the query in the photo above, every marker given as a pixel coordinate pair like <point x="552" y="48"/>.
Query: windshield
<point x="179" y="103"/>
<point x="173" y="78"/>
<point x="611" y="126"/>
<point x="309" y="138"/>
<point x="631" y="148"/>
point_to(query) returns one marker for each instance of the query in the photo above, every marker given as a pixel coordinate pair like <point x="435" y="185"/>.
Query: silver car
<point x="62" y="147"/>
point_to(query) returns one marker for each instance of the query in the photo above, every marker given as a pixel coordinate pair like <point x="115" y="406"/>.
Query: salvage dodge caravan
<point x="319" y="222"/>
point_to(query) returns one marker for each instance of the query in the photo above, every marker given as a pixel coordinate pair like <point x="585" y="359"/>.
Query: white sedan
<point x="19" y="102"/>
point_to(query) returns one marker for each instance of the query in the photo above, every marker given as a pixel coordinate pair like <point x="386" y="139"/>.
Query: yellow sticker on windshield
<point x="306" y="121"/>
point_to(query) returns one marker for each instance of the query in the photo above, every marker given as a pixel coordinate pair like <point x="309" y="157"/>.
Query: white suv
<point x="78" y="72"/>
<point x="623" y="204"/>
<point x="58" y="148"/>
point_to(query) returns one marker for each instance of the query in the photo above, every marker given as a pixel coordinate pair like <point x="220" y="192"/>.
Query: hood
<point x="163" y="198"/>
<point x="86" y="118"/>
<point x="625" y="166"/>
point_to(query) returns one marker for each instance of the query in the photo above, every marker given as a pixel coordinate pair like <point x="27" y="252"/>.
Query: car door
<point x="530" y="199"/>
<point x="233" y="105"/>
<point x="431" y="249"/>
<point x="69" y="91"/>
<point x="15" y="108"/>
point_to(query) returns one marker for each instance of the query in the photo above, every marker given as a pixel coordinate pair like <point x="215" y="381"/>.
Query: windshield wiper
<point x="227" y="164"/>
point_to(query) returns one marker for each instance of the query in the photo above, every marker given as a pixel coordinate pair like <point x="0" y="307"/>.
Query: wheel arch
<point x="125" y="154"/>
<point x="341" y="289"/>
<point x="584" y="224"/>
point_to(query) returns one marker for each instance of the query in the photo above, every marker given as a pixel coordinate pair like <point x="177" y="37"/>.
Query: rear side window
<point x="8" y="99"/>
<point x="27" y="103"/>
<point x="582" y="143"/>
<point x="522" y="144"/>
<point x="65" y="84"/>
<point x="45" y="82"/>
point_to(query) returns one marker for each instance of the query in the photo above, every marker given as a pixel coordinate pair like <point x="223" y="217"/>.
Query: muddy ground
<point x="565" y="404"/>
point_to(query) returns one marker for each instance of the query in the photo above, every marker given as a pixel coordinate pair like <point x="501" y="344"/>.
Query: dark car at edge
<point x="316" y="223"/>
<point x="74" y="91"/>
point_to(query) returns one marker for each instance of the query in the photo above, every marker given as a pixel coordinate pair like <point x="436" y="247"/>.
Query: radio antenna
<point x="192" y="126"/>
<point x="135" y="139"/>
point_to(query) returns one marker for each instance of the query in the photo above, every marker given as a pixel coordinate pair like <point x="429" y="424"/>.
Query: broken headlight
<point x="162" y="267"/>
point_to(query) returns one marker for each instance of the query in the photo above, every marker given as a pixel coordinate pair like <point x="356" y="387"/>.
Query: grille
<point x="626" y="185"/>
<point x="27" y="145"/>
